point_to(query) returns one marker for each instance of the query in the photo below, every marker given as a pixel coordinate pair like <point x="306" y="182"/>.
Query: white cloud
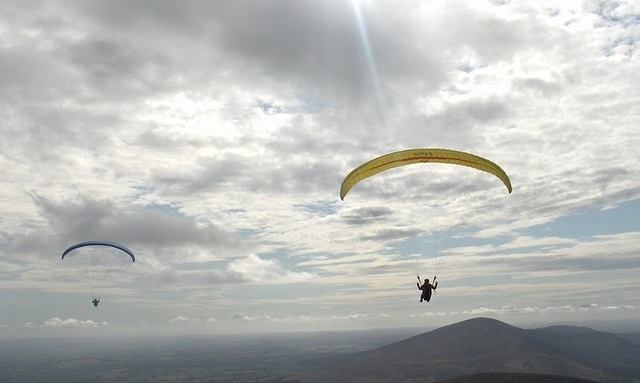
<point x="184" y="319"/>
<point x="429" y="314"/>
<point x="211" y="138"/>
<point x="56" y="322"/>
<point x="304" y="318"/>
<point x="506" y="310"/>
<point x="266" y="270"/>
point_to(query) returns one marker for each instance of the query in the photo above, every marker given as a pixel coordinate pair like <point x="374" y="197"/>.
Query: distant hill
<point x="633" y="337"/>
<point x="515" y="378"/>
<point x="484" y="345"/>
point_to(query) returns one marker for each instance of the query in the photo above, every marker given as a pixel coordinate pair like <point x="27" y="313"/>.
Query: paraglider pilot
<point x="95" y="301"/>
<point x="427" y="288"/>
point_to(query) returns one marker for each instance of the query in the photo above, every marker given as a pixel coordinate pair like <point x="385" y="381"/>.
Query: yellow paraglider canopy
<point x="420" y="155"/>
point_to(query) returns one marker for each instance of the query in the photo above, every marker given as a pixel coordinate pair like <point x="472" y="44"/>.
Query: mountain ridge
<point x="485" y="345"/>
<point x="505" y="377"/>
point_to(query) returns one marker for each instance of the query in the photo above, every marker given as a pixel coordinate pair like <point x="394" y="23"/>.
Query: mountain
<point x="505" y="377"/>
<point x="633" y="337"/>
<point x="484" y="345"/>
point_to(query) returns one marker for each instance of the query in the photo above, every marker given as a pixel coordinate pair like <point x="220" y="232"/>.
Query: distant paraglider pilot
<point x="427" y="288"/>
<point x="95" y="301"/>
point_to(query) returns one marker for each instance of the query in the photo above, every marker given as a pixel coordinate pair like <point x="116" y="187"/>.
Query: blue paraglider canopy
<point x="99" y="243"/>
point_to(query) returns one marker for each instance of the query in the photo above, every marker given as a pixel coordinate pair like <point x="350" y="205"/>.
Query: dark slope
<point x="515" y="378"/>
<point x="483" y="345"/>
<point x="603" y="351"/>
<point x="633" y="337"/>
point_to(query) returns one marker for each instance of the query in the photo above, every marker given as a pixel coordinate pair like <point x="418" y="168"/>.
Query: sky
<point x="211" y="139"/>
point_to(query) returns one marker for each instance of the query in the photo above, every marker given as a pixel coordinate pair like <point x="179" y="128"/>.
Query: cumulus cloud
<point x="249" y="269"/>
<point x="211" y="138"/>
<point x="506" y="310"/>
<point x="88" y="218"/>
<point x="359" y="316"/>
<point x="56" y="322"/>
<point x="228" y="276"/>
<point x="302" y="318"/>
<point x="430" y="314"/>
<point x="184" y="319"/>
<point x="247" y="318"/>
<point x="266" y="270"/>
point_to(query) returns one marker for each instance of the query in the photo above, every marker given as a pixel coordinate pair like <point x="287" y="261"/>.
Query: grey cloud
<point x="165" y="275"/>
<point x="184" y="319"/>
<point x="152" y="122"/>
<point x="156" y="138"/>
<point x="72" y="322"/>
<point x="457" y="119"/>
<point x="218" y="277"/>
<point x="613" y="260"/>
<point x="86" y="219"/>
<point x="28" y="74"/>
<point x="310" y="44"/>
<point x="211" y="173"/>
<point x="544" y="87"/>
<point x="314" y="45"/>
<point x="615" y="252"/>
<point x="118" y="71"/>
<point x="240" y="317"/>
<point x="367" y="215"/>
<point x="392" y="234"/>
<point x="172" y="276"/>
<point x="279" y="173"/>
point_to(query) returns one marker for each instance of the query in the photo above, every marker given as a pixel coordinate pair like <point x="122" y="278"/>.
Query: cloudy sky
<point x="211" y="138"/>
